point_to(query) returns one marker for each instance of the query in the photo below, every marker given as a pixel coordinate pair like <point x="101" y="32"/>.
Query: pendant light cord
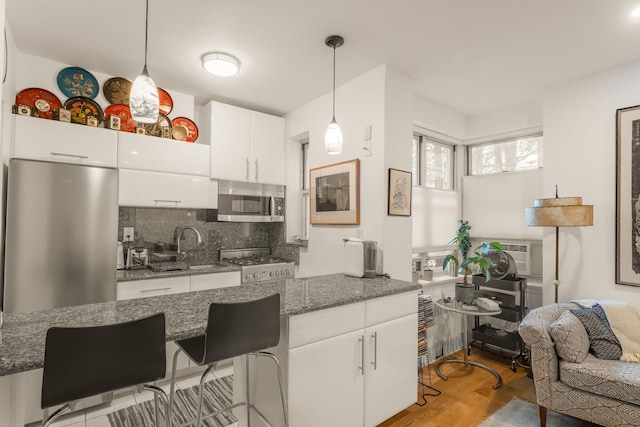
<point x="334" y="82"/>
<point x="146" y="33"/>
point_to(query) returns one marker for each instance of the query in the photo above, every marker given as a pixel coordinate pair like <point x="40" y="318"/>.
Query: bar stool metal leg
<point x="173" y="386"/>
<point x="246" y="362"/>
<point x="200" y="391"/>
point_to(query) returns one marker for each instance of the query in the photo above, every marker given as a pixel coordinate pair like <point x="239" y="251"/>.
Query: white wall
<point x="514" y="118"/>
<point x="360" y="102"/>
<point x="397" y="155"/>
<point x="436" y="117"/>
<point x="580" y="156"/>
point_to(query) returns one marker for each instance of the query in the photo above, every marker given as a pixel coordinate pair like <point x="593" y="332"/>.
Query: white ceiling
<point x="470" y="55"/>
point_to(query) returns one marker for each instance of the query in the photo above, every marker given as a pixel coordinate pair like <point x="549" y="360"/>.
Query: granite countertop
<point x="142" y="274"/>
<point x="23" y="335"/>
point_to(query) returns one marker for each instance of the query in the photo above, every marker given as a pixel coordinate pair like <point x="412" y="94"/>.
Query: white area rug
<point x="520" y="413"/>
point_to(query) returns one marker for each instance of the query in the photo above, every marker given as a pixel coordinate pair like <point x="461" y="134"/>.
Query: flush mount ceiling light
<point x="221" y="64"/>
<point x="143" y="98"/>
<point x="333" y="136"/>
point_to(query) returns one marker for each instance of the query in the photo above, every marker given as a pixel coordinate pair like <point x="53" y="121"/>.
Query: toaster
<point x="137" y="257"/>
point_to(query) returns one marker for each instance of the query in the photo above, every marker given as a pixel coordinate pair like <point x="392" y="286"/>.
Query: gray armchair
<point x="605" y="392"/>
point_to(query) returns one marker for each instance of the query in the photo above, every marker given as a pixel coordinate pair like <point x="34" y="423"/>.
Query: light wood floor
<point x="467" y="397"/>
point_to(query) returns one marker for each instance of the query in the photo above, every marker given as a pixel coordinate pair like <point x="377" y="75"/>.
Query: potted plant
<point x="465" y="290"/>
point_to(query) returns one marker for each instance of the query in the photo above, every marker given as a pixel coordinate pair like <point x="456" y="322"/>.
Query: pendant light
<point x="143" y="98"/>
<point x="333" y="136"/>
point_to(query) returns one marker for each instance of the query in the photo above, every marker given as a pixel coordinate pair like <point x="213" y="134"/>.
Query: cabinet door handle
<point x="361" y="367"/>
<point x="144" y="291"/>
<point x="167" y="201"/>
<point x="77" y="156"/>
<point x="375" y="351"/>
<point x="256" y="170"/>
<point x="246" y="176"/>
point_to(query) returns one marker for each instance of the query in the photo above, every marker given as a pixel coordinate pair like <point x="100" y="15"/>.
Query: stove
<point x="258" y="265"/>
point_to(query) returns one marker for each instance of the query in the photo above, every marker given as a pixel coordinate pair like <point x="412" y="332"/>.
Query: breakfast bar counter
<point x="23" y="335"/>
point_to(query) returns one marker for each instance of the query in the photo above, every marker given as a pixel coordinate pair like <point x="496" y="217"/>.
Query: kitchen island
<point x="22" y="337"/>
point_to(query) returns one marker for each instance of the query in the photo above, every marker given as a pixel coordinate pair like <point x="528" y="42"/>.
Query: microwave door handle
<point x="272" y="206"/>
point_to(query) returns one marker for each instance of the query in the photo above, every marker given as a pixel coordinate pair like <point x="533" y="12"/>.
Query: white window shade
<point x="494" y="204"/>
<point x="435" y="214"/>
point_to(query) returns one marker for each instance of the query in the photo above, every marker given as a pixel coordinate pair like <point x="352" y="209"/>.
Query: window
<point x="304" y="224"/>
<point x="510" y="155"/>
<point x="433" y="162"/>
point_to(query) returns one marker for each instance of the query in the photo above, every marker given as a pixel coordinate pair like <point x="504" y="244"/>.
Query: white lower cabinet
<point x="152" y="287"/>
<point x="361" y="368"/>
<point x="390" y="368"/>
<point x="202" y="282"/>
<point x="326" y="384"/>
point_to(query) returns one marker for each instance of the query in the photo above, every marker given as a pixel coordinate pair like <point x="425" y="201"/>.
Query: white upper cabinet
<point x="245" y="145"/>
<point x="267" y="148"/>
<point x="52" y="140"/>
<point x="143" y="152"/>
<point x="167" y="190"/>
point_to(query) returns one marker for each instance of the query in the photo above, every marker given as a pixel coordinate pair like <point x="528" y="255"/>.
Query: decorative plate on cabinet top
<point x="166" y="102"/>
<point x="116" y="90"/>
<point x="180" y="123"/>
<point x="76" y="81"/>
<point x="42" y="100"/>
<point x="127" y="124"/>
<point x="155" y="129"/>
<point x="80" y="107"/>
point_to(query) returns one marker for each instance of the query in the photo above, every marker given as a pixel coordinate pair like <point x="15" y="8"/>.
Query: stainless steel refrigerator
<point x="60" y="237"/>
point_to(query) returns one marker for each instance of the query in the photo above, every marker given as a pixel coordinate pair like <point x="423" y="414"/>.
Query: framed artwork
<point x="399" y="198"/>
<point x="628" y="196"/>
<point x="335" y="193"/>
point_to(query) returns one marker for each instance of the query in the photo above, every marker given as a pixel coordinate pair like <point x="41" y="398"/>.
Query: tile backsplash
<point x="157" y="226"/>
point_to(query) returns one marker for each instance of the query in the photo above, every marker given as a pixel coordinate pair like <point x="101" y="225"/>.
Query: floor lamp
<point x="559" y="212"/>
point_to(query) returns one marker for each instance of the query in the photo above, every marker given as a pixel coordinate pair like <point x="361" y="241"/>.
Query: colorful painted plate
<point x="116" y="90"/>
<point x="43" y="101"/>
<point x="76" y="81"/>
<point x="192" y="129"/>
<point x="81" y="107"/>
<point x="127" y="124"/>
<point x="166" y="102"/>
<point x="155" y="129"/>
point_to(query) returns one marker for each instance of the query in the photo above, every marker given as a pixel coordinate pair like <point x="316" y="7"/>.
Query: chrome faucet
<point x="180" y="231"/>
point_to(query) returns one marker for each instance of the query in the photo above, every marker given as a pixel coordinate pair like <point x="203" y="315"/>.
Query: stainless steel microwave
<point x="250" y="202"/>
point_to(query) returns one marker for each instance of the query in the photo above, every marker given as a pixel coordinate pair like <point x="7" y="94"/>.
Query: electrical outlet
<point x="127" y="234"/>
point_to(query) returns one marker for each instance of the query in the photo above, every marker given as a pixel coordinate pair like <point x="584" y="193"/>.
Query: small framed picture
<point x="399" y="201"/>
<point x="335" y="193"/>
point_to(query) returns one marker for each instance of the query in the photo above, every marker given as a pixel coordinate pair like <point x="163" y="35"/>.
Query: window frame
<point x="502" y="140"/>
<point x="422" y="139"/>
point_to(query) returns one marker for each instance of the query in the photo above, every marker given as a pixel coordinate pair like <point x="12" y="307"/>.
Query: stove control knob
<point x="248" y="277"/>
<point x="256" y="275"/>
<point x="272" y="273"/>
<point x="286" y="272"/>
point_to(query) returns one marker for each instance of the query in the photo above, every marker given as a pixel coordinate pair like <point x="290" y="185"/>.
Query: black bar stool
<point x="234" y="329"/>
<point x="85" y="362"/>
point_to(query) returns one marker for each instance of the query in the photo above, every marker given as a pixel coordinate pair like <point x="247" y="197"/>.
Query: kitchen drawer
<point x="322" y="324"/>
<point x="159" y="189"/>
<point x="152" y="287"/>
<point x="201" y="282"/>
<point x="150" y="153"/>
<point x="391" y="307"/>
<point x="62" y="142"/>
